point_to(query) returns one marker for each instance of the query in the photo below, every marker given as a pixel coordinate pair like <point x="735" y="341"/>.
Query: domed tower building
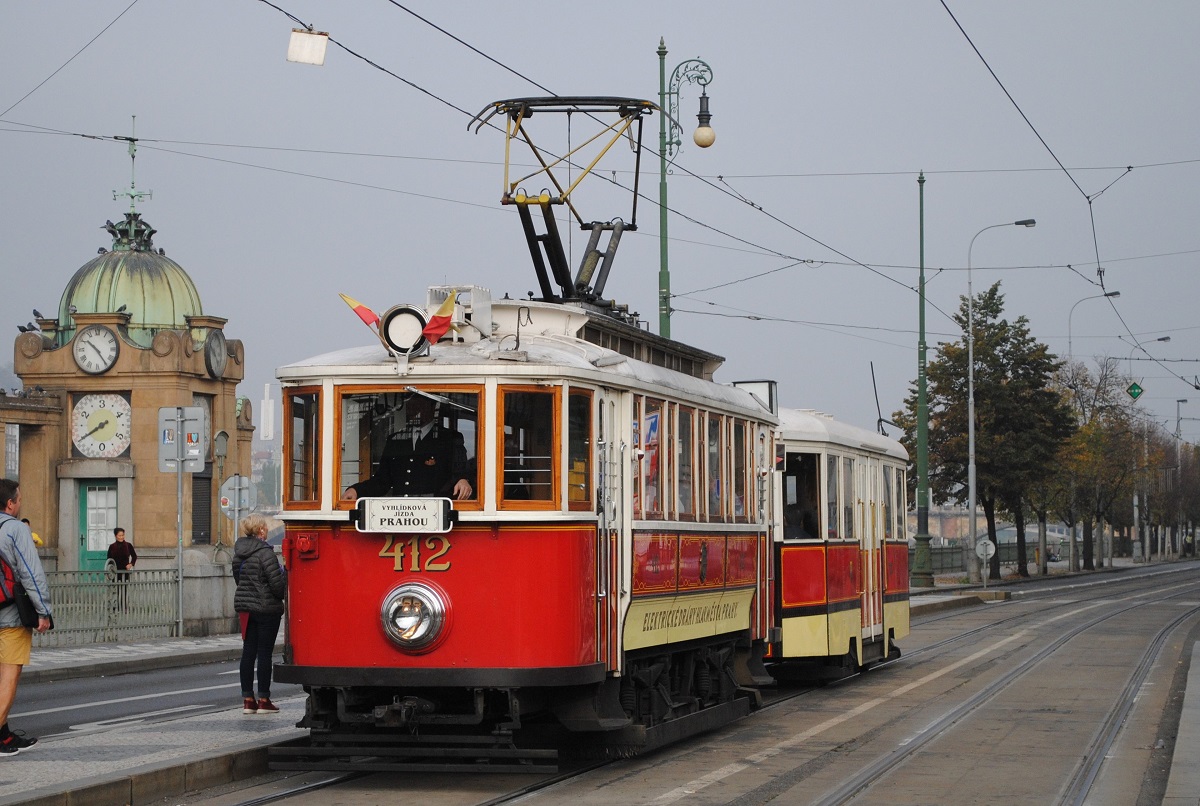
<point x="131" y="337"/>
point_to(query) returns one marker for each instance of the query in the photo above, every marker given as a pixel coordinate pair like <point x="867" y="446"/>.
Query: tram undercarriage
<point x="664" y="696"/>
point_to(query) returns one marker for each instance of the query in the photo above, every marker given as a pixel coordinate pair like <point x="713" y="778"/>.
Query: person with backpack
<point x="19" y="555"/>
<point x="258" y="600"/>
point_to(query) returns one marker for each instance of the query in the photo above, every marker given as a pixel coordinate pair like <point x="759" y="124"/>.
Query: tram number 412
<point x="424" y="552"/>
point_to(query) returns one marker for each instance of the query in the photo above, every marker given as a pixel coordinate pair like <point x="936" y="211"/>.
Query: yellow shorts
<point x="14" y="645"/>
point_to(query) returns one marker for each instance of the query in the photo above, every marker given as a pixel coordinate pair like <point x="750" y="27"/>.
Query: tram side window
<point x="409" y="443"/>
<point x="901" y="532"/>
<point x="740" y="450"/>
<point x="684" y="464"/>
<point x="849" y="496"/>
<point x="527" y="456"/>
<point x="833" y="513"/>
<point x="653" y="433"/>
<point x="889" y="517"/>
<point x="579" y="450"/>
<point x="304" y="429"/>
<point x="713" y="454"/>
<point x="802" y="493"/>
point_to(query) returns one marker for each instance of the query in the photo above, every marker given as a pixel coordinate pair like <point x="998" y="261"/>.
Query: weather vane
<point x="133" y="193"/>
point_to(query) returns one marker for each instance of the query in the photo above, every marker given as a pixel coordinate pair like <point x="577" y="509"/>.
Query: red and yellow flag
<point x="368" y="316"/>
<point x="439" y="323"/>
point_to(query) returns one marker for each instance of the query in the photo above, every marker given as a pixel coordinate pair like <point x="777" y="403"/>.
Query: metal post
<point x="691" y="71"/>
<point x="922" y="571"/>
<point x="1027" y="222"/>
<point x="179" y="458"/>
<point x="664" y="275"/>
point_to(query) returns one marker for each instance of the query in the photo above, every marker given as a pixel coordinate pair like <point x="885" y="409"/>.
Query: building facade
<point x="130" y="337"/>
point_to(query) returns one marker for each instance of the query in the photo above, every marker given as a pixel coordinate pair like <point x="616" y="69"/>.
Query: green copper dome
<point x="134" y="278"/>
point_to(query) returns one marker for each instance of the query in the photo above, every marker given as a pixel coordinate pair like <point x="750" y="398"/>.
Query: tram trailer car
<point x="610" y="571"/>
<point x="840" y="546"/>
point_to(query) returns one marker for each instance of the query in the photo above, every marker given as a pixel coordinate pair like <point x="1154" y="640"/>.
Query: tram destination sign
<point x="421" y="515"/>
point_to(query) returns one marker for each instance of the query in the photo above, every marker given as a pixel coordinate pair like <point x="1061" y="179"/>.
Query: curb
<point x="929" y="608"/>
<point x="156" y="783"/>
<point x="105" y="668"/>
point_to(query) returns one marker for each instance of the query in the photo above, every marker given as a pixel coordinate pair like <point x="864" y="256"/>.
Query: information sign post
<point x="182" y="448"/>
<point x="985" y="549"/>
<point x="236" y="499"/>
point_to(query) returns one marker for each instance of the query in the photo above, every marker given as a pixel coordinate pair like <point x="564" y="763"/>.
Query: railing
<point x="92" y="607"/>
<point x="949" y="559"/>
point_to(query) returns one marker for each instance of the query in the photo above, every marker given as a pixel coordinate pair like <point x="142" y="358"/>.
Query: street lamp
<point x="1111" y="294"/>
<point x="1025" y="222"/>
<point x="1137" y="345"/>
<point x="692" y="71"/>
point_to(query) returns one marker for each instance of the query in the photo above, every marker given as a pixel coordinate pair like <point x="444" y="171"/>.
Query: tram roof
<point x="540" y="356"/>
<point x="807" y="425"/>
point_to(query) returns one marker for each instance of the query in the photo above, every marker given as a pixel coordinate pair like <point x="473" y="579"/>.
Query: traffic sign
<point x="1134" y="391"/>
<point x="181" y="438"/>
<point x="237" y="496"/>
<point x="985" y="549"/>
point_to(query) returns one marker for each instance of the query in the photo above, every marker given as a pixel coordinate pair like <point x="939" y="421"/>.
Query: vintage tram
<point x="551" y="527"/>
<point x="840" y="542"/>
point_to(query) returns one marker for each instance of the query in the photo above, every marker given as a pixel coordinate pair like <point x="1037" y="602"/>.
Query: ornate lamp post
<point x="692" y="71"/>
<point x="1025" y="222"/>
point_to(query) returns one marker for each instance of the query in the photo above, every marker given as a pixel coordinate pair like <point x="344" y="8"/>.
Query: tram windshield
<point x="410" y="442"/>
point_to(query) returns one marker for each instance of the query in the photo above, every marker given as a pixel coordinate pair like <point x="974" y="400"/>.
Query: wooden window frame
<point x="587" y="503"/>
<point x="557" y="449"/>
<point x="340" y="393"/>
<point x="692" y="415"/>
<point x="289" y="503"/>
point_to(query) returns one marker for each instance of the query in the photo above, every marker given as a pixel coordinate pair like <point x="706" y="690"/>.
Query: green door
<point x="97" y="518"/>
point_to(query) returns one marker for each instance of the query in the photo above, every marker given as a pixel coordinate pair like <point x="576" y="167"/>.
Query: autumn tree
<point x="1021" y="419"/>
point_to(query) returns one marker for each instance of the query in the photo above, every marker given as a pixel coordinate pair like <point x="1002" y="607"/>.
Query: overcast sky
<point x="277" y="185"/>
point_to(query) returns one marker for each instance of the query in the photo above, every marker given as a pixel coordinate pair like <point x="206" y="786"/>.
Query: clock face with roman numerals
<point x="95" y="349"/>
<point x="101" y="425"/>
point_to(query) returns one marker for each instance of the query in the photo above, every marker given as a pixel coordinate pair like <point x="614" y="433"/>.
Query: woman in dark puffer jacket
<point x="261" y="588"/>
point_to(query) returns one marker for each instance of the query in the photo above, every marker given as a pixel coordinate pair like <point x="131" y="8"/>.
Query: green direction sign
<point x="1135" y="391"/>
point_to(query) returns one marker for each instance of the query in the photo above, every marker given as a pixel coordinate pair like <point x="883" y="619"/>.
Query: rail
<point x="92" y="607"/>
<point x="950" y="559"/>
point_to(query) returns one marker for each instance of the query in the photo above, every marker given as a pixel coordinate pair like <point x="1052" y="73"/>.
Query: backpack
<point x="8" y="583"/>
<point x="8" y="580"/>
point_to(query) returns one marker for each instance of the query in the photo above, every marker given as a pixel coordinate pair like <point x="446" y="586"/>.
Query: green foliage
<point x="1021" y="419"/>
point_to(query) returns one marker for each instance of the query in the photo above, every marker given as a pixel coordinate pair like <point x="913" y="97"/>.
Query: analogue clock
<point x="95" y="349"/>
<point x="216" y="353"/>
<point x="101" y="425"/>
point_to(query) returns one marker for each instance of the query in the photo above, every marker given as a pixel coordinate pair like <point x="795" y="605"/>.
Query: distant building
<point x="130" y="337"/>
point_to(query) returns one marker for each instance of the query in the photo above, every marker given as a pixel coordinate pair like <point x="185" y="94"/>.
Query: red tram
<point x="606" y="543"/>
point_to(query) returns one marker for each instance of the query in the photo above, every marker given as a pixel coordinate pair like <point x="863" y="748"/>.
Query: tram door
<point x="610" y="465"/>
<point x="869" y="483"/>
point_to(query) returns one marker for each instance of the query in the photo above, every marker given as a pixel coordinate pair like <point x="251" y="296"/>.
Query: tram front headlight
<point x="413" y="616"/>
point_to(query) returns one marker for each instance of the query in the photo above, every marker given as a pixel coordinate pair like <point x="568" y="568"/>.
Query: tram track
<point x="1079" y="783"/>
<point x="1092" y="759"/>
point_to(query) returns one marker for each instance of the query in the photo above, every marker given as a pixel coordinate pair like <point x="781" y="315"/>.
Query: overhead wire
<point x="68" y="61"/>
<point x="755" y="248"/>
<point x="1089" y="198"/>
<point x="729" y="193"/>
